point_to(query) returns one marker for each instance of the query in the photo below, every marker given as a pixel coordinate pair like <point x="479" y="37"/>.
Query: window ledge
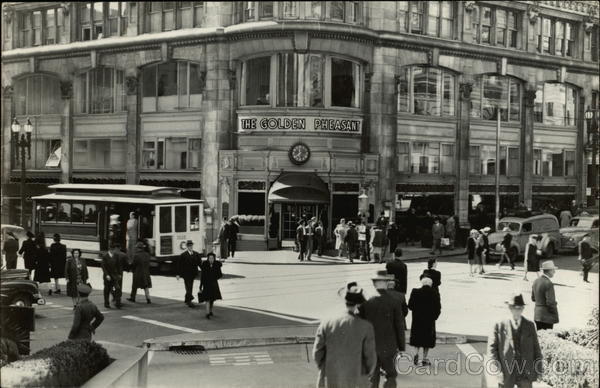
<point x="312" y="111"/>
<point x="555" y="127"/>
<point x="412" y="116"/>
<point x="492" y="123"/>
<point x="161" y="171"/>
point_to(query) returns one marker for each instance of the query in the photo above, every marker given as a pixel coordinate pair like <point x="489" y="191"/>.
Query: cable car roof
<point x="118" y="199"/>
<point x="114" y="189"/>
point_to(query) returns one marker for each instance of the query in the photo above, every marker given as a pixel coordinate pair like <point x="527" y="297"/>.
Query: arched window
<point x="426" y="91"/>
<point x="172" y="86"/>
<point x="493" y="91"/>
<point x="555" y="104"/>
<point x="100" y="90"/>
<point x="37" y="94"/>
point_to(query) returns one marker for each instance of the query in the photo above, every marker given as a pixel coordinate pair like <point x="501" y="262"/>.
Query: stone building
<point x="275" y="110"/>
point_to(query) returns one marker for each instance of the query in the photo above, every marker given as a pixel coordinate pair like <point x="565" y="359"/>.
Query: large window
<point x="336" y="11"/>
<point x="300" y="81"/>
<point x="491" y="92"/>
<point x="555" y="37"/>
<point x="426" y="91"/>
<point x="434" y="18"/>
<point x="171" y="153"/>
<point x="40" y="27"/>
<point x="99" y="153"/>
<point x="45" y="154"/>
<point x="555" y="104"/>
<point x="98" y="20"/>
<point x="425" y="158"/>
<point x="554" y="162"/>
<point x="173" y="15"/>
<point x="488" y="160"/>
<point x="494" y="26"/>
<point x="37" y="94"/>
<point x="100" y="90"/>
<point x="404" y="157"/>
<point x="172" y="86"/>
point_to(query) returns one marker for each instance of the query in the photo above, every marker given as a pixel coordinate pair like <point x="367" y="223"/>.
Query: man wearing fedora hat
<point x="387" y="318"/>
<point x="344" y="348"/>
<point x="514" y="347"/>
<point x="10" y="248"/>
<point x="87" y="317"/>
<point x="187" y="268"/>
<point x="542" y="293"/>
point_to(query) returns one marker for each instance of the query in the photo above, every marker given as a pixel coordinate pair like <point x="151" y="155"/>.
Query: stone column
<point x="525" y="193"/>
<point x="7" y="114"/>
<point x="132" y="128"/>
<point x="581" y="155"/>
<point x="463" y="144"/>
<point x="66" y="132"/>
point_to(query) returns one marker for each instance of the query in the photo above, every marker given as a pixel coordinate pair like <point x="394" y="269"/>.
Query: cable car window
<point x="194" y="217"/>
<point x="77" y="213"/>
<point x="48" y="213"/>
<point x="91" y="214"/>
<point x="64" y="212"/>
<point x="165" y="220"/>
<point x="180" y="218"/>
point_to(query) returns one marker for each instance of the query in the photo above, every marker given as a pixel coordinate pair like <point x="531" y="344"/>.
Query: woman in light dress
<point x="340" y="234"/>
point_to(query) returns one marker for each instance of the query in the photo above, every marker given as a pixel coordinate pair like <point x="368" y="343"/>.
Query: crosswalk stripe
<point x="163" y="324"/>
<point x="282" y="316"/>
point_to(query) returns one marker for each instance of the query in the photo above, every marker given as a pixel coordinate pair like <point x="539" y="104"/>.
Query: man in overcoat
<point x="398" y="268"/>
<point x="301" y="239"/>
<point x="10" y="248"/>
<point x="542" y="293"/>
<point x="28" y="252"/>
<point x="87" y="317"/>
<point x="187" y="268"/>
<point x="386" y="316"/>
<point x="514" y="348"/>
<point x="112" y="274"/>
<point x="344" y="347"/>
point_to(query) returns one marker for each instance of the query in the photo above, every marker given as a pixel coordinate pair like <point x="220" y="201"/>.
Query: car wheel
<point x="21" y="300"/>
<point x="550" y="251"/>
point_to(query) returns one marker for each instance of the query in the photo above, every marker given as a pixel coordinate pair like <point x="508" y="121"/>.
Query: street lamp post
<point x="21" y="139"/>
<point x="497" y="175"/>
<point x="592" y="131"/>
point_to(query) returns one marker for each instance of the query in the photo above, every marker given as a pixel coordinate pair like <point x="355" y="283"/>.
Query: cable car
<point x="85" y="216"/>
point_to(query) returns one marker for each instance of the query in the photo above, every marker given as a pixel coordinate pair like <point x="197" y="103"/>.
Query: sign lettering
<point x="291" y="123"/>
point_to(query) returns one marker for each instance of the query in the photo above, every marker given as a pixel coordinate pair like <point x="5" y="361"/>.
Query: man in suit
<point x="87" y="317"/>
<point x="224" y="239"/>
<point x="542" y="293"/>
<point x="28" y="251"/>
<point x="187" y="268"/>
<point x="301" y="239"/>
<point x="344" y="347"/>
<point x="234" y="229"/>
<point x="397" y="268"/>
<point x="515" y="349"/>
<point x="386" y="316"/>
<point x="310" y="237"/>
<point x="10" y="248"/>
<point x="112" y="274"/>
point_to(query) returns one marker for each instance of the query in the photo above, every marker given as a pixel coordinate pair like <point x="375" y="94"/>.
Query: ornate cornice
<point x="578" y="7"/>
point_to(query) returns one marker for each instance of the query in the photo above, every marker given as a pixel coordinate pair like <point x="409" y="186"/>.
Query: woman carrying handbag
<point x="210" y="273"/>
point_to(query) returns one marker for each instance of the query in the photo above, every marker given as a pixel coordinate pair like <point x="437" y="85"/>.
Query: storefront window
<point x="426" y="91"/>
<point x="447" y="162"/>
<point x="425" y="158"/>
<point x="552" y="162"/>
<point x="100" y="90"/>
<point x="256" y="75"/>
<point x="555" y="104"/>
<point x="172" y="86"/>
<point x="99" y="153"/>
<point x="569" y="163"/>
<point x="37" y="94"/>
<point x="491" y="92"/>
<point x="300" y="80"/>
<point x="174" y="153"/>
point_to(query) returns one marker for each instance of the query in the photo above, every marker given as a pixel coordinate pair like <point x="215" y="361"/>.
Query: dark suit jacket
<point x="434" y="275"/>
<point x="87" y="318"/>
<point x="398" y="269"/>
<point x="386" y="316"/>
<point x="28" y="252"/>
<point x="501" y="349"/>
<point x="112" y="266"/>
<point x="542" y="293"/>
<point x="187" y="266"/>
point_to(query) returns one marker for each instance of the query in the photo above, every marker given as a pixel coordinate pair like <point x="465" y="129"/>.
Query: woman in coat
<point x="141" y="272"/>
<point x="28" y="252"/>
<point x="340" y="236"/>
<point x="210" y="273"/>
<point x="58" y="260"/>
<point x="76" y="273"/>
<point x="42" y="261"/>
<point x="532" y="262"/>
<point x="433" y="274"/>
<point x="425" y="305"/>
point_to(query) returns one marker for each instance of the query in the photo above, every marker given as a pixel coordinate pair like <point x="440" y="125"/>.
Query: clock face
<point x="299" y="153"/>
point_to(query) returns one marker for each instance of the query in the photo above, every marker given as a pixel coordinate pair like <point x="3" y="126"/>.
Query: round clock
<point x="299" y="153"/>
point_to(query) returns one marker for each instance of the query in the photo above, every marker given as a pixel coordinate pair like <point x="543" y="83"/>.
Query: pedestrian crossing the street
<point x="240" y="359"/>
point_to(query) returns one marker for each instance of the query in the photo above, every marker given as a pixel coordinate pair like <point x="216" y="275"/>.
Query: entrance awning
<point x="299" y="188"/>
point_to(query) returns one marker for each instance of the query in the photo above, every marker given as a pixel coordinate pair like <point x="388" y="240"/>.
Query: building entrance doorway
<point x="292" y="213"/>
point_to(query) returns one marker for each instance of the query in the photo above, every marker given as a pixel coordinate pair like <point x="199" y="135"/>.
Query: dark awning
<point x="299" y="188"/>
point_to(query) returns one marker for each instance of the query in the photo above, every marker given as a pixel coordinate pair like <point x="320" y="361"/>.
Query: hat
<point x="487" y="229"/>
<point x="352" y="293"/>
<point x="84" y="289"/>
<point x="211" y="254"/>
<point x="383" y="275"/>
<point x="426" y="281"/>
<point x="549" y="264"/>
<point x="189" y="242"/>
<point x="30" y="235"/>
<point x="515" y="300"/>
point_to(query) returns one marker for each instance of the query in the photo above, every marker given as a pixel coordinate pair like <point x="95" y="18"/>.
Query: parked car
<point x="17" y="289"/>
<point x="521" y="228"/>
<point x="579" y="227"/>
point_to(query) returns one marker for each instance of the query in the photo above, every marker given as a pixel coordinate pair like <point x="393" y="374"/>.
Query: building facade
<point x="275" y="110"/>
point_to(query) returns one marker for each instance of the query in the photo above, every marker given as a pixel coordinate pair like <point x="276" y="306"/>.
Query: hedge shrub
<point x="69" y="363"/>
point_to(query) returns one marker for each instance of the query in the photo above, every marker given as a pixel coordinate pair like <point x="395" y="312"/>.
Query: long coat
<point x="434" y="275"/>
<point x="400" y="299"/>
<point x="209" y="281"/>
<point x="10" y="247"/>
<point x="386" y="316"/>
<point x="344" y="350"/>
<point x="542" y="293"/>
<point x="85" y="321"/>
<point x="71" y="272"/>
<point x="58" y="260"/>
<point x="42" y="265"/>
<point x="425" y="305"/>
<point x="398" y="268"/>
<point x="187" y="266"/>
<point x="141" y="269"/>
<point x="28" y="252"/>
<point x="501" y="349"/>
<point x="351" y="240"/>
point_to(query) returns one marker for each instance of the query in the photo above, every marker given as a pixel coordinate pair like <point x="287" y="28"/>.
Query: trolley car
<point x="81" y="214"/>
